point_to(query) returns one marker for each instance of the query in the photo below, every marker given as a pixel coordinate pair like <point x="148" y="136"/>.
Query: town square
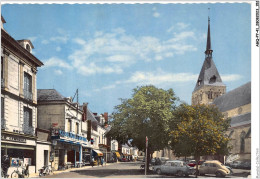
<point x="152" y="90"/>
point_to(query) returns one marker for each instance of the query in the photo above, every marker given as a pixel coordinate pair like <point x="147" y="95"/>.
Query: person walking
<point x="92" y="161"/>
<point x="102" y="161"/>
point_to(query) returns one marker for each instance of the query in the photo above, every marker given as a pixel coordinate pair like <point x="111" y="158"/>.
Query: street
<point x="125" y="170"/>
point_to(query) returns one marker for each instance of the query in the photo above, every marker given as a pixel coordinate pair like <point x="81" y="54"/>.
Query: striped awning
<point x="99" y="153"/>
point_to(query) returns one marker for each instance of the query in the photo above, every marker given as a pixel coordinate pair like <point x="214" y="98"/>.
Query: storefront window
<point x="21" y="154"/>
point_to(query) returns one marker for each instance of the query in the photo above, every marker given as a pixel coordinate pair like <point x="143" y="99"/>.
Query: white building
<point x="18" y="100"/>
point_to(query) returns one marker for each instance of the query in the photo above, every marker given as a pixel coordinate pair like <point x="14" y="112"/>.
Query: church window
<point x="212" y="79"/>
<point x="210" y="96"/>
<point x="242" y="142"/>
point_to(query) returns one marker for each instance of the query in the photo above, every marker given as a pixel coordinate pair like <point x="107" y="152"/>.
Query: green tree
<point x="147" y="113"/>
<point x="201" y="128"/>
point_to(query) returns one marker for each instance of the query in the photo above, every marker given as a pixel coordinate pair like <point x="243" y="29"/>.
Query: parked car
<point x="240" y="164"/>
<point x="124" y="159"/>
<point x="214" y="167"/>
<point x="174" y="167"/>
<point x="192" y="163"/>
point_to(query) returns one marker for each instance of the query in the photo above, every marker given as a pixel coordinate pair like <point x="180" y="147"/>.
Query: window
<point x="27" y="123"/>
<point x="2" y="108"/>
<point x="69" y="126"/>
<point x="210" y="95"/>
<point x="2" y="68"/>
<point x="27" y="86"/>
<point x="242" y="141"/>
<point x="28" y="47"/>
<point x="77" y="128"/>
<point x="212" y="79"/>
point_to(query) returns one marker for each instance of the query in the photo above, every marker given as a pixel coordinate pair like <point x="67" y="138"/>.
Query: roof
<point x="49" y="95"/>
<point x="241" y="120"/>
<point x="235" y="98"/>
<point x="208" y="75"/>
<point x="8" y="41"/>
<point x="26" y="40"/>
<point x="90" y="116"/>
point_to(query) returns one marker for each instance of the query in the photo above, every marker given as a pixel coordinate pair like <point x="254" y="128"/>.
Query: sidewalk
<point x="36" y="175"/>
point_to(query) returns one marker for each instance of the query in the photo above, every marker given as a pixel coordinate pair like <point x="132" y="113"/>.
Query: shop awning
<point x="117" y="154"/>
<point x="99" y="153"/>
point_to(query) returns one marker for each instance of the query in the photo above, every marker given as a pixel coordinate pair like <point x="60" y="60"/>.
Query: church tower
<point x="209" y="84"/>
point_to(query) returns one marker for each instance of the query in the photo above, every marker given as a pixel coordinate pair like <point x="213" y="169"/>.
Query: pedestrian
<point x="102" y="161"/>
<point x="92" y="161"/>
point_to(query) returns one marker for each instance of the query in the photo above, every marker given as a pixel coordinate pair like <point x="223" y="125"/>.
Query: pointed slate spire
<point x="209" y="75"/>
<point x="208" y="51"/>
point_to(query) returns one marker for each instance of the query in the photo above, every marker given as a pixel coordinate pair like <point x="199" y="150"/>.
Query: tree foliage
<point x="147" y="113"/>
<point x="201" y="128"/>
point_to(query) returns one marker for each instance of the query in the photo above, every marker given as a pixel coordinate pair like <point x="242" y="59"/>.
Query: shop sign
<point x="13" y="138"/>
<point x="71" y="135"/>
<point x="15" y="162"/>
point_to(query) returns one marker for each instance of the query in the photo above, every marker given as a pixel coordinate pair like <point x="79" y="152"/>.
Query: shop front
<point x="67" y="149"/>
<point x="97" y="155"/>
<point x="20" y="148"/>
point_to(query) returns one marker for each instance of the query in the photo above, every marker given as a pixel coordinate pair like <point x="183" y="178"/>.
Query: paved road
<point x="124" y="170"/>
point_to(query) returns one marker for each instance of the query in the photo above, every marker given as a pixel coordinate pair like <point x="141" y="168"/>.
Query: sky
<point x="107" y="50"/>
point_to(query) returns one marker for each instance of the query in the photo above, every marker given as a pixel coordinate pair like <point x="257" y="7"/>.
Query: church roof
<point x="235" y="98"/>
<point x="241" y="120"/>
<point x="208" y="75"/>
<point x="49" y="95"/>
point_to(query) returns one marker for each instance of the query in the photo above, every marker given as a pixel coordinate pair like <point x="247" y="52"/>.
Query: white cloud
<point x="58" y="72"/>
<point x="105" y="88"/>
<point x="62" y="39"/>
<point x="182" y="25"/>
<point x="45" y="42"/>
<point x="159" y="77"/>
<point x="56" y="62"/>
<point x="231" y="77"/>
<point x="58" y="49"/>
<point x="118" y="50"/>
<point x="156" y="14"/>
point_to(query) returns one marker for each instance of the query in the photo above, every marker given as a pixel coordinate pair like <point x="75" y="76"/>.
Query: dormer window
<point x="199" y="82"/>
<point x="28" y="47"/>
<point x="212" y="79"/>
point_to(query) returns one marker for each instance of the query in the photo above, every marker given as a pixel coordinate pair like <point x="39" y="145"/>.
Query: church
<point x="235" y="104"/>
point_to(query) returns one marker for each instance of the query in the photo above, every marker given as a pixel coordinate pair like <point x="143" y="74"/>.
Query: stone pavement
<point x="36" y="175"/>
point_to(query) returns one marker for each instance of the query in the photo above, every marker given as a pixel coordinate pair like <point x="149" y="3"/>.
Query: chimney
<point x="95" y="114"/>
<point x="84" y="116"/>
<point x="106" y="118"/>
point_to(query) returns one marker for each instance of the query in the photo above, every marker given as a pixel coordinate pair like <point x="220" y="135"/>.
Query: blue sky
<point x="107" y="50"/>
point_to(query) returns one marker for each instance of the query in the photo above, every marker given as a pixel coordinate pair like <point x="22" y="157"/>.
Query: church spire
<point x="208" y="51"/>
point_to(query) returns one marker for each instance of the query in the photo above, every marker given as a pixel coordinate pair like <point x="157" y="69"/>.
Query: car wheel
<point x="180" y="173"/>
<point x="158" y="171"/>
<point x="219" y="174"/>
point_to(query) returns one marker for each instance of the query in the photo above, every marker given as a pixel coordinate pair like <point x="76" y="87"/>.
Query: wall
<point x="48" y="114"/>
<point x="201" y="96"/>
<point x="40" y="147"/>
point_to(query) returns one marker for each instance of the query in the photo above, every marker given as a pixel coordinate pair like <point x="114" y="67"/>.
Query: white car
<point x="174" y="167"/>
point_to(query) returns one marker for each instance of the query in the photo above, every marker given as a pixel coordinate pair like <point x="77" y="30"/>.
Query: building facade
<point x="236" y="105"/>
<point x="64" y="119"/>
<point x="18" y="100"/>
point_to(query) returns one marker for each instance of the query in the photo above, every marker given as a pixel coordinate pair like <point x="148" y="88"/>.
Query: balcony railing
<point x="28" y="130"/>
<point x="27" y="94"/>
<point x="2" y="82"/>
<point x="3" y="124"/>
